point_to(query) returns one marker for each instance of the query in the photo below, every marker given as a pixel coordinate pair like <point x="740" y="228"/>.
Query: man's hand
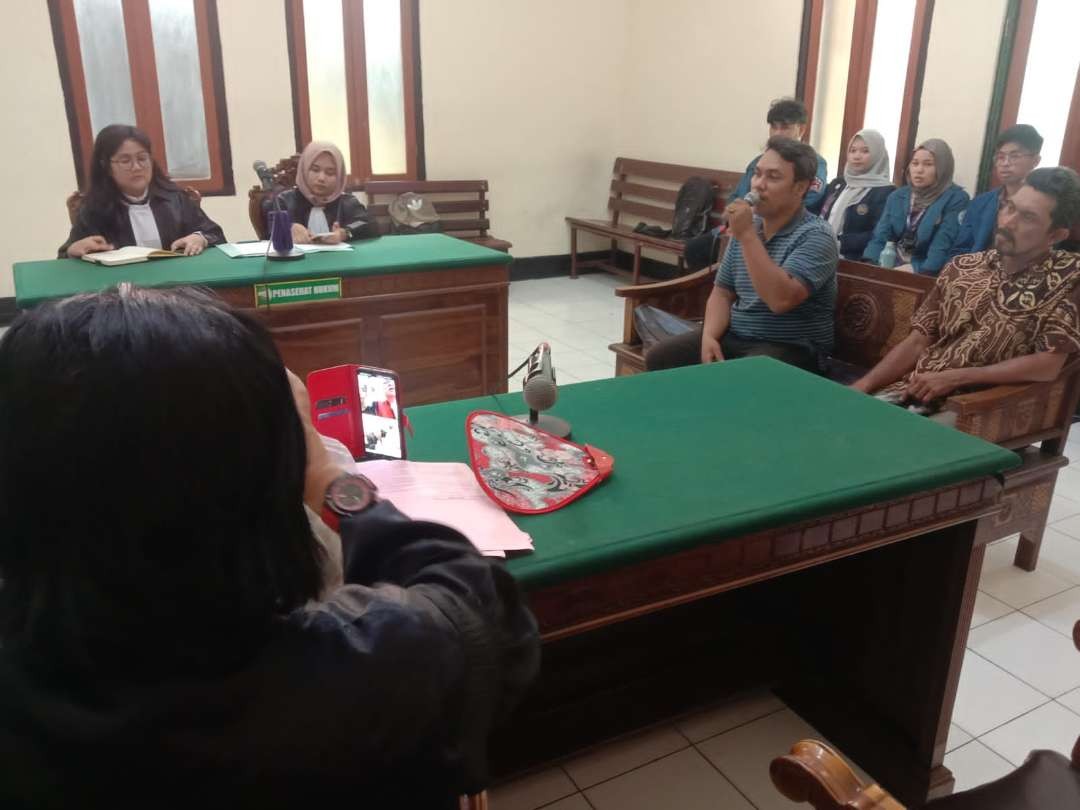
<point x="740" y="217"/>
<point x="90" y="244"/>
<point x="861" y="385"/>
<point x="905" y="268"/>
<point x="321" y="469"/>
<point x="935" y="384"/>
<point x="300" y="234"/>
<point x="193" y="244"/>
<point x="710" y="350"/>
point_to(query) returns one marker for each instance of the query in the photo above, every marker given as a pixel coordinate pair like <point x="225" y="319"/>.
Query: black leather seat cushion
<point x="1046" y="781"/>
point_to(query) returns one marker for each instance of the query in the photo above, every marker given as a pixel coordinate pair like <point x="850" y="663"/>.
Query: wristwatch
<point x="348" y="494"/>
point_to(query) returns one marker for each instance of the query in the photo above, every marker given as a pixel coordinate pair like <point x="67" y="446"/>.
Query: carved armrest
<point x="816" y="774"/>
<point x="685" y="297"/>
<point x="1000" y="396"/>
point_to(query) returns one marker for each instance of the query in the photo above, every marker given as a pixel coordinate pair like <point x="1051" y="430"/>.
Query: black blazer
<point x="346" y="210"/>
<point x="860" y="219"/>
<point x="175" y="213"/>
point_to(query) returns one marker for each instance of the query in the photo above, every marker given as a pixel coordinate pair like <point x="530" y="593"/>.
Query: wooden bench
<point x="462" y="204"/>
<point x="643" y="190"/>
<point x="874" y="308"/>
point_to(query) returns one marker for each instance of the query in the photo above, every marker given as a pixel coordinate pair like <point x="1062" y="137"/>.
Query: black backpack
<point x="692" y="207"/>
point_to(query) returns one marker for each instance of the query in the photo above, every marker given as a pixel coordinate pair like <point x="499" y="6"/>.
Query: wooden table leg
<point x="637" y="264"/>
<point x="573" y="252"/>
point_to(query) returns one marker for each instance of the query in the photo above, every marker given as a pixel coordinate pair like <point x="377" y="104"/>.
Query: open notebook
<point x="129" y="255"/>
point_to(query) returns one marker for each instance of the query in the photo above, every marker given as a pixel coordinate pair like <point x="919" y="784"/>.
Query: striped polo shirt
<point x="806" y="249"/>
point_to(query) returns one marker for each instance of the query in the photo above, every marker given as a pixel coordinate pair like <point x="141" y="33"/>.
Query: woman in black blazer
<point x="854" y="202"/>
<point x="318" y="206"/>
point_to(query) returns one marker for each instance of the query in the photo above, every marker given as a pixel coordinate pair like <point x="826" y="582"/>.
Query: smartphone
<point x="320" y="238"/>
<point x="380" y="406"/>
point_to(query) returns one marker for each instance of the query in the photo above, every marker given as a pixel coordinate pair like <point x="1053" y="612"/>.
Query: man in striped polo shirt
<point x="776" y="285"/>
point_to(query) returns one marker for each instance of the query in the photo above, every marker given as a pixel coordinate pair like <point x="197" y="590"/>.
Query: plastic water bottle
<point x="888" y="255"/>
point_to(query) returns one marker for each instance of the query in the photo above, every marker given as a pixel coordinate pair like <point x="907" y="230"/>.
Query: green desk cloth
<point x="707" y="452"/>
<point x="57" y="278"/>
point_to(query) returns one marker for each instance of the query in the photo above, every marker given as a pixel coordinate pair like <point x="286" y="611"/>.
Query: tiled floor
<point x="1019" y="690"/>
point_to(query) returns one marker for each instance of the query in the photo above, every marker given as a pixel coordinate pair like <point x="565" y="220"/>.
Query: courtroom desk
<point x="762" y="526"/>
<point x="429" y="306"/>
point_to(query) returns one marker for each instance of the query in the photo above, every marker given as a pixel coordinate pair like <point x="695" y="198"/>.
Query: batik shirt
<point x="978" y="314"/>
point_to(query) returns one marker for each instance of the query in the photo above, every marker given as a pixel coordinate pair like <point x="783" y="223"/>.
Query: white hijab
<point x="858" y="185"/>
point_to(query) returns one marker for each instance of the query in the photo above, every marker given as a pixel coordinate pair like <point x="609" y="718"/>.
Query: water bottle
<point x="888" y="255"/>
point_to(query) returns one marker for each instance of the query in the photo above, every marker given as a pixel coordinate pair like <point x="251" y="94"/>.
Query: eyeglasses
<point x="1010" y="157"/>
<point x="128" y="162"/>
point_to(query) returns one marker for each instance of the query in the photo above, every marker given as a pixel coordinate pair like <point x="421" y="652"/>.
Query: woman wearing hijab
<point x="131" y="201"/>
<point x="922" y="218"/>
<point x="854" y="202"/>
<point x="319" y="207"/>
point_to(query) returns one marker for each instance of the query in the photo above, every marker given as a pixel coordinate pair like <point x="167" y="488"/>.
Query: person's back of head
<point x="151" y="479"/>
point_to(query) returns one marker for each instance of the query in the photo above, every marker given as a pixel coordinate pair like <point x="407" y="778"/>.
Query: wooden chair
<point x="462" y="206"/>
<point x="645" y="190"/>
<point x="75" y="200"/>
<point x="284" y="177"/>
<point x="815" y="774"/>
<point x="873" y="313"/>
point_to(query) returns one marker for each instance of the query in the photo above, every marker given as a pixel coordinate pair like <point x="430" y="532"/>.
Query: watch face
<point x="350" y="494"/>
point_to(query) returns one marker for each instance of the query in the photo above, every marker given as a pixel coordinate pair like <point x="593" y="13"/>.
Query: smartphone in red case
<point x="361" y="407"/>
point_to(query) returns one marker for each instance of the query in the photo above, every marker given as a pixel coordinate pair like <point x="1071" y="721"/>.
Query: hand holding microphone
<point x="740" y="215"/>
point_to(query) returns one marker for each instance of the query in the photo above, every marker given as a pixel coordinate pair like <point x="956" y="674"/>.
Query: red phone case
<point x="336" y="407"/>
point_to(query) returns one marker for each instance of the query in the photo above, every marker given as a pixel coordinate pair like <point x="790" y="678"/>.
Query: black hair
<point x="800" y="155"/>
<point x="1024" y="134"/>
<point x="786" y="111"/>
<point x="104" y="197"/>
<point x="1063" y="184"/>
<point x="152" y="469"/>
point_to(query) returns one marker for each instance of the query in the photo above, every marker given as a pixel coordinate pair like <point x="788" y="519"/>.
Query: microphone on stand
<point x="540" y="392"/>
<point x="266" y="177"/>
<point x="280" y="247"/>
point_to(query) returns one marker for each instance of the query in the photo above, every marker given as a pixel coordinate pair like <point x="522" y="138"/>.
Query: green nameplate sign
<point x="297" y="292"/>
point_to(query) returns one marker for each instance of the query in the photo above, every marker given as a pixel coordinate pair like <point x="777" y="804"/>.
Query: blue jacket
<point x="814" y="194"/>
<point x="859" y="220"/>
<point x="936" y="232"/>
<point x="977" y="224"/>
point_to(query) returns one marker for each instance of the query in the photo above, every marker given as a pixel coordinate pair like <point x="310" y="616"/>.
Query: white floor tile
<point x="974" y="764"/>
<point x="587" y="369"/>
<point x="987" y="608"/>
<point x="1015" y="586"/>
<point x="957" y="737"/>
<point x="575" y="802"/>
<point x="532" y="791"/>
<point x="1030" y="651"/>
<point x="1062" y="508"/>
<point x="989" y="697"/>
<point x="1071" y="700"/>
<point x="743" y="755"/>
<point x="1060" y="612"/>
<point x="1051" y="727"/>
<point x="685" y="781"/>
<point x="1068" y="483"/>
<point x="607" y="761"/>
<point x="728" y="715"/>
<point x="1059" y="555"/>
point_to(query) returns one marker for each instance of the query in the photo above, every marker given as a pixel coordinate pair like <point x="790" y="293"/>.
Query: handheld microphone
<point x="266" y="177"/>
<point x="540" y="393"/>
<point x="752" y="197"/>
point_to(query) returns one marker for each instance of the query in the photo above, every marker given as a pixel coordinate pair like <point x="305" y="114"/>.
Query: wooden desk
<point x="431" y="307"/>
<point x="752" y="508"/>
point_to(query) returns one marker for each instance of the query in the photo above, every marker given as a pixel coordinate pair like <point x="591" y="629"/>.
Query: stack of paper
<point x="239" y="250"/>
<point x="448" y="494"/>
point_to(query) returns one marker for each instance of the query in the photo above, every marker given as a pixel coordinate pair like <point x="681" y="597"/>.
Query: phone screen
<point x="382" y="414"/>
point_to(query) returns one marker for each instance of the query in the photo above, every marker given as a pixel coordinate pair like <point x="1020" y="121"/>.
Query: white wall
<point x="959" y="80"/>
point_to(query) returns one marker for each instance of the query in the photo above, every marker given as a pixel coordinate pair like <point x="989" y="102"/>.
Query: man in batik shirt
<point x="1010" y="314"/>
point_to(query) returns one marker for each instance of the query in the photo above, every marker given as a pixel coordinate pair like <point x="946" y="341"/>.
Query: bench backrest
<point x="874" y="307"/>
<point x="462" y="204"/>
<point x="644" y="189"/>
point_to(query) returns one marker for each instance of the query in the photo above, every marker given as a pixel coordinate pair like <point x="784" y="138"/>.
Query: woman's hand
<point x="300" y="234"/>
<point x="192" y="245"/>
<point x="321" y="467"/>
<point x="89" y="244"/>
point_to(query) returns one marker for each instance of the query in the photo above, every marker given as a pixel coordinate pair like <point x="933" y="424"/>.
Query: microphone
<point x="752" y="197"/>
<point x="266" y="177"/>
<point x="540" y="393"/>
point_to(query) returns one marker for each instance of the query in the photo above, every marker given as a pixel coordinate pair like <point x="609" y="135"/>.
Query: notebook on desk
<point x="129" y="255"/>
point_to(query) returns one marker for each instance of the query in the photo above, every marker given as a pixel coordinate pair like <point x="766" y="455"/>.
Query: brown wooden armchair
<point x="74" y="201"/>
<point x="815" y="774"/>
<point x="873" y="313"/>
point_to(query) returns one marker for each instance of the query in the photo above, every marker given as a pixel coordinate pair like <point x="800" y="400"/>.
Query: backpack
<point x="692" y="206"/>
